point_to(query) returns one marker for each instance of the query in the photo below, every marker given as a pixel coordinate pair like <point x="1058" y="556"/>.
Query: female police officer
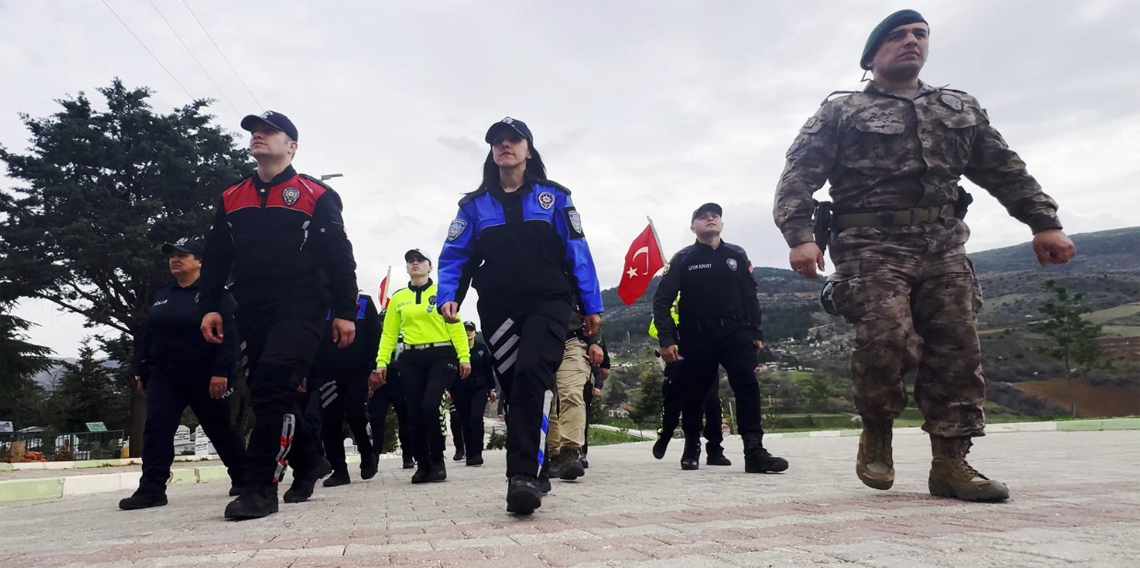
<point x="520" y="238"/>
<point x="177" y="367"/>
<point x="435" y="351"/>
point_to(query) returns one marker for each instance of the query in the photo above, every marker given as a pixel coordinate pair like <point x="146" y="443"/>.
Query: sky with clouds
<point x="642" y="108"/>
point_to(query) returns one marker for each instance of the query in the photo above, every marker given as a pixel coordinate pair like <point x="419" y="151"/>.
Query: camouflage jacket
<point x="880" y="152"/>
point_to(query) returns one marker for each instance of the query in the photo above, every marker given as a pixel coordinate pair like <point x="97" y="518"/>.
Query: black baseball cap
<point x="415" y="254"/>
<point x="273" y="119"/>
<point x="192" y="246"/>
<point x="707" y="207"/>
<point x="512" y="124"/>
<point x="469" y="325"/>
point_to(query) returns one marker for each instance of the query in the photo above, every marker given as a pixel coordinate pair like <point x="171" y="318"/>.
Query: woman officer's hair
<point x="535" y="169"/>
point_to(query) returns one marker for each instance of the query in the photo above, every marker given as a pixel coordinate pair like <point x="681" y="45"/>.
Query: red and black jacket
<point x="284" y="241"/>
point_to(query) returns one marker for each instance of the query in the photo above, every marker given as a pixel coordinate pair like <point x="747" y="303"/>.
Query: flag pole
<point x="660" y="249"/>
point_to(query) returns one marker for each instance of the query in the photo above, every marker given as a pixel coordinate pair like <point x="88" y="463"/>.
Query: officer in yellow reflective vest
<point x="672" y="395"/>
<point x="435" y="353"/>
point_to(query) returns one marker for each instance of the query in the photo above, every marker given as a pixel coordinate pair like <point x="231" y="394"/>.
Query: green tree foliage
<point x="21" y="399"/>
<point x="100" y="190"/>
<point x="647" y="409"/>
<point x="87" y="393"/>
<point x="1076" y="341"/>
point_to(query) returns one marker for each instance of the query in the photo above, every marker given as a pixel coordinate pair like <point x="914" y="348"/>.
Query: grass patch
<point x="602" y="437"/>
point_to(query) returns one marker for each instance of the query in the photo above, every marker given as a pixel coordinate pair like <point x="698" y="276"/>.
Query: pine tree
<point x="1076" y="340"/>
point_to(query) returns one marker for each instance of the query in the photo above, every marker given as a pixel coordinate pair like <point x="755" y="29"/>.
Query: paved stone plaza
<point x="1076" y="503"/>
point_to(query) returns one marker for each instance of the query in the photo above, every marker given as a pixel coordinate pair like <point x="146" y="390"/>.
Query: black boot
<point x="757" y="459"/>
<point x="523" y="495"/>
<point x="474" y="459"/>
<point x="422" y="473"/>
<point x="438" y="471"/>
<point x="715" y="455"/>
<point x="255" y="502"/>
<point x="544" y="483"/>
<point x="409" y="461"/>
<point x="236" y="489"/>
<point x="305" y="481"/>
<point x="143" y="499"/>
<point x="661" y="445"/>
<point x="691" y="457"/>
<point x="339" y="477"/>
<point x="585" y="462"/>
<point x="460" y="454"/>
<point x="369" y="465"/>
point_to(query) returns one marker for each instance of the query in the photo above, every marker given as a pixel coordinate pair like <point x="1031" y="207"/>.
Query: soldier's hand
<point x="376" y="379"/>
<point x="759" y="345"/>
<point x="218" y="386"/>
<point x="447" y="397"/>
<point x="806" y="258"/>
<point x="344" y="332"/>
<point x="597" y="392"/>
<point x="669" y="354"/>
<point x="595" y="354"/>
<point x="592" y="324"/>
<point x="139" y="385"/>
<point x="464" y="370"/>
<point x="450" y="312"/>
<point x="212" y="327"/>
<point x="1053" y="247"/>
<point x="493" y="396"/>
<point x="304" y="386"/>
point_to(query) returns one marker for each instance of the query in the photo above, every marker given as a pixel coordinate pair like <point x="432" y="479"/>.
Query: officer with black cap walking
<point x="718" y="325"/>
<point x="281" y="236"/>
<point x="176" y="368"/>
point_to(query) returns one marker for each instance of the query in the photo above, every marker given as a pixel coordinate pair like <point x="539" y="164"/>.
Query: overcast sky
<point x="641" y="108"/>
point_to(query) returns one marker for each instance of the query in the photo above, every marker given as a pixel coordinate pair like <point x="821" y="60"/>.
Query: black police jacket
<point x="482" y="371"/>
<point x="361" y="354"/>
<point x="716" y="288"/>
<point x="282" y="239"/>
<point x="172" y="338"/>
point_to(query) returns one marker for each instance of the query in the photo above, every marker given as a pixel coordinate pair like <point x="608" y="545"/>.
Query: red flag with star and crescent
<point x="642" y="262"/>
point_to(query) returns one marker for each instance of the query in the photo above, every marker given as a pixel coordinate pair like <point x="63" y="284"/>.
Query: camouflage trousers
<point x="913" y="308"/>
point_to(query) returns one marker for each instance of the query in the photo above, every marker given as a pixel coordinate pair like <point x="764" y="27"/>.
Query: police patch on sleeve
<point x="574" y="220"/>
<point x="456" y="229"/>
<point x="546" y="200"/>
<point x="732" y="264"/>
<point x="952" y="102"/>
<point x="290" y="195"/>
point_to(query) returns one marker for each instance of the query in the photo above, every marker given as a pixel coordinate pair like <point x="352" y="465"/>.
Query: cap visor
<point x="252" y="121"/>
<point x="495" y="128"/>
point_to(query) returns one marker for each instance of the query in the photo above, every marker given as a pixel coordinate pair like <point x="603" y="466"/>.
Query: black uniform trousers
<point x="673" y="396"/>
<point x="588" y="398"/>
<point x="703" y="350"/>
<point x="343" y="395"/>
<point x="426" y="374"/>
<point x="279" y="343"/>
<point x="391" y="395"/>
<point x="168" y="392"/>
<point x="470" y="402"/>
<point x="527" y="347"/>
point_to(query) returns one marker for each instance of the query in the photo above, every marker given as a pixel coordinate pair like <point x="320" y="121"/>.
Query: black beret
<point x="900" y="18"/>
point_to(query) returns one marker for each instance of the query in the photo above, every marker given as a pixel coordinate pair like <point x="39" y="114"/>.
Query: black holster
<point x="821" y="224"/>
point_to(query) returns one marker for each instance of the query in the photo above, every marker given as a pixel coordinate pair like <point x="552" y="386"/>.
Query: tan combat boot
<point x="875" y="465"/>
<point x="952" y="476"/>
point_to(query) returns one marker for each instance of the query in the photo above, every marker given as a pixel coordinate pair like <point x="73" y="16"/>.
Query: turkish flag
<point x="382" y="301"/>
<point x="642" y="262"/>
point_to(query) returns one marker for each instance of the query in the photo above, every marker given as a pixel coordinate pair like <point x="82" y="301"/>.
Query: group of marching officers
<point x="317" y="355"/>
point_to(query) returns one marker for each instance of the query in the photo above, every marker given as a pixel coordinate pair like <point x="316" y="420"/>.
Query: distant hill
<point x="1106" y="269"/>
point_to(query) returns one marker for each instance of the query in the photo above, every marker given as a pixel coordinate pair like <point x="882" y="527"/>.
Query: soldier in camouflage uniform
<point x="893" y="155"/>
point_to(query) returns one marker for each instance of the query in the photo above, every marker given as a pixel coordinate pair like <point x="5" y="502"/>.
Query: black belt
<point x="714" y="322"/>
<point x="901" y="218"/>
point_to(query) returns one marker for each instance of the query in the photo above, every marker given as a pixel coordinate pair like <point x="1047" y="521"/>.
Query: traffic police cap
<point x="509" y="123"/>
<point x="192" y="246"/>
<point x="273" y="119"/>
<point x="469" y="325"/>
<point x="900" y="18"/>
<point x="707" y="207"/>
<point x="415" y="254"/>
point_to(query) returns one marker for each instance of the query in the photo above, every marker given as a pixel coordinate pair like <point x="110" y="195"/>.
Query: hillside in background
<point x="1106" y="270"/>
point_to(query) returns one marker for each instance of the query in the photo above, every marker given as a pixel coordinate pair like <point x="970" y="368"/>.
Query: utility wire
<point x="224" y="58"/>
<point x="156" y="60"/>
<point x="192" y="56"/>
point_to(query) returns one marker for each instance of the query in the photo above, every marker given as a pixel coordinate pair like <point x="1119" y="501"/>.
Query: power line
<point x="224" y="58"/>
<point x="192" y="56"/>
<point x="156" y="60"/>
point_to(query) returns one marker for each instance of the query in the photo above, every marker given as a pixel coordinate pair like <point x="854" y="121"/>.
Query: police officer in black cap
<point x="719" y="325"/>
<point x="281" y="236"/>
<point x="176" y="367"/>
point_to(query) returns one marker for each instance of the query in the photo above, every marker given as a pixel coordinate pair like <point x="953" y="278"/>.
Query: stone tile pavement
<point x="1076" y="503"/>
